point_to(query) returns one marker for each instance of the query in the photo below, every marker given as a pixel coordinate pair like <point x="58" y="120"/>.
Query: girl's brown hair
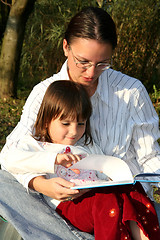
<point x="63" y="99"/>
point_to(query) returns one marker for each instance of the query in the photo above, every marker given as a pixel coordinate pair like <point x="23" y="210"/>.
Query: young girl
<point x="61" y="138"/>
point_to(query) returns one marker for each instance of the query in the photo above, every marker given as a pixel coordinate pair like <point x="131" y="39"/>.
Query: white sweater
<point x="32" y="158"/>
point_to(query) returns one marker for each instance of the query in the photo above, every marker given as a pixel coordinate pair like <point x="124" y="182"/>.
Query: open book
<point x="116" y="169"/>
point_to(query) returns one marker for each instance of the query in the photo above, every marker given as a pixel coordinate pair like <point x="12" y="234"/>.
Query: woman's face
<point x="87" y="50"/>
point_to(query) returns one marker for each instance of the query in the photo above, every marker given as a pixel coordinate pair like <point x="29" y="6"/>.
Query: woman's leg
<point x="157" y="207"/>
<point x="31" y="216"/>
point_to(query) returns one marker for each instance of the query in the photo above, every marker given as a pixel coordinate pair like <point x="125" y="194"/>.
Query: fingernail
<point x="82" y="155"/>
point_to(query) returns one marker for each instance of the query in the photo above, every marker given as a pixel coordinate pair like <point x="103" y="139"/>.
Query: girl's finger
<point x="77" y="171"/>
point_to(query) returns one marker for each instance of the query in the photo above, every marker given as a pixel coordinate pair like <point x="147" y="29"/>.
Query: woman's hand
<point x="57" y="188"/>
<point x="67" y="159"/>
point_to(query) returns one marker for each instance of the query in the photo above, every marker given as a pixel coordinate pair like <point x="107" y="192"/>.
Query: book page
<point x="113" y="167"/>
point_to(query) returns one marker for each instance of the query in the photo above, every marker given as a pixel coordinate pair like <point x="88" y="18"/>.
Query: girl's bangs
<point x="74" y="113"/>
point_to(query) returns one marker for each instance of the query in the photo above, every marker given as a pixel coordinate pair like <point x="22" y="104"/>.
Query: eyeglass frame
<point x="90" y="64"/>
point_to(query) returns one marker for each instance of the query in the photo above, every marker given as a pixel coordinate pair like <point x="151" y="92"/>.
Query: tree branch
<point x="8" y="4"/>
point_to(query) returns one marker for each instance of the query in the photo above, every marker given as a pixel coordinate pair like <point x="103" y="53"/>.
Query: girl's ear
<point x="65" y="47"/>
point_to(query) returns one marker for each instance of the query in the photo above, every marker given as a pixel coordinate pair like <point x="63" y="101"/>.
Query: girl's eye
<point x="65" y="124"/>
<point x="81" y="123"/>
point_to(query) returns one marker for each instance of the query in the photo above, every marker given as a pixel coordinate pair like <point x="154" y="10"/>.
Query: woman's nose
<point x="91" y="71"/>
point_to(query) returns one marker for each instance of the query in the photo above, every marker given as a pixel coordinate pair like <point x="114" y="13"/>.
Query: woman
<point x="124" y="123"/>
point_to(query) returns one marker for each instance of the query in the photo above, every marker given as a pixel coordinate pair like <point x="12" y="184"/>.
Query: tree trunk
<point x="12" y="46"/>
<point x="4" y="11"/>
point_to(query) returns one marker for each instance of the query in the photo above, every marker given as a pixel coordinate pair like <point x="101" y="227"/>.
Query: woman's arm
<point x="145" y="132"/>
<point x="30" y="157"/>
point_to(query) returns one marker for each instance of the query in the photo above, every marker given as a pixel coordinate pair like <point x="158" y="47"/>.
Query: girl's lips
<point x="72" y="138"/>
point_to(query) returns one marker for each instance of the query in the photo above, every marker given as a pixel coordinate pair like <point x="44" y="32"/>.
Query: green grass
<point x="157" y="194"/>
<point x="10" y="112"/>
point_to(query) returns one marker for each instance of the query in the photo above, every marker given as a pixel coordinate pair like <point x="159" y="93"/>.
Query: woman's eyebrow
<point x="86" y="60"/>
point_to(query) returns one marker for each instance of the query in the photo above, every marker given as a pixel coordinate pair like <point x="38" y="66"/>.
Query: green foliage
<point x="155" y="97"/>
<point x="9" y="116"/>
<point x="138" y="27"/>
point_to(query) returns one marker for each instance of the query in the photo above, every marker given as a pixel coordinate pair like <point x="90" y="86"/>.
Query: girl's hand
<point x="67" y="159"/>
<point x="57" y="188"/>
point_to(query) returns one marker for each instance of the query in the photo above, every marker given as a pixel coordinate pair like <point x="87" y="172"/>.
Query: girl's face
<point x="87" y="50"/>
<point x="67" y="131"/>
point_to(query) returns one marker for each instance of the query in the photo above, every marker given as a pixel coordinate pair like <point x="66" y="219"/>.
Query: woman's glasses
<point x="86" y="65"/>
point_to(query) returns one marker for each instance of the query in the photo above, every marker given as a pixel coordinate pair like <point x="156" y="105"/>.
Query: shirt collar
<point x="64" y="71"/>
<point x="101" y="92"/>
<point x="99" y="87"/>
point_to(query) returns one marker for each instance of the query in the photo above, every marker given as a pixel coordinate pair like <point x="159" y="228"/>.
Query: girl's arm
<point x="57" y="188"/>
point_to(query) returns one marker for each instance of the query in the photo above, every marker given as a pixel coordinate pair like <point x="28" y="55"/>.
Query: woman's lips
<point x="88" y="79"/>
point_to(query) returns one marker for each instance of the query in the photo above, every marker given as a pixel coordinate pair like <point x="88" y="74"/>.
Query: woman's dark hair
<point x="92" y="23"/>
<point x="63" y="99"/>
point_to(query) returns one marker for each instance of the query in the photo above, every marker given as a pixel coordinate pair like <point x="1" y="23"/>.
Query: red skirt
<point x="106" y="212"/>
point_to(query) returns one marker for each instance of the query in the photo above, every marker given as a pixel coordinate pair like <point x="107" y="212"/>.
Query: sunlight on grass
<point x="9" y="116"/>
